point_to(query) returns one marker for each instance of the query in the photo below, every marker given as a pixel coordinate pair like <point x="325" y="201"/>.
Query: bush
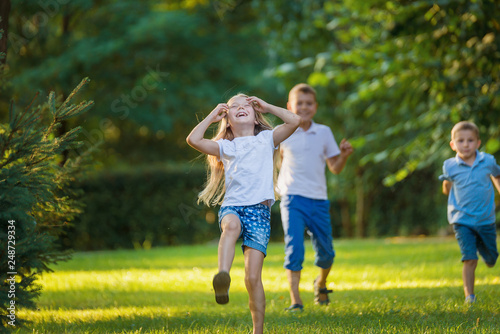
<point x="140" y="208"/>
<point x="145" y="207"/>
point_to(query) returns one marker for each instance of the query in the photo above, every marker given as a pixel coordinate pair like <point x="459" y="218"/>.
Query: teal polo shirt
<point x="472" y="195"/>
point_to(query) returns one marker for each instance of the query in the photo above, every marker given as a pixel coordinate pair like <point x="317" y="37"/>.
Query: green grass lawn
<point x="380" y="286"/>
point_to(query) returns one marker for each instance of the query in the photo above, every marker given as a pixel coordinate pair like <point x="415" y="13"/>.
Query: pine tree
<point x="36" y="200"/>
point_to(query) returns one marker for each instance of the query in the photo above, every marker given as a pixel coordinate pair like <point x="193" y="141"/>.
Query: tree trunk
<point x="64" y="124"/>
<point x="4" y="25"/>
<point x="360" y="205"/>
<point x="345" y="217"/>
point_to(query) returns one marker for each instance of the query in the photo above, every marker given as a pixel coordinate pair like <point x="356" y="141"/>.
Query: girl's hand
<point x="258" y="104"/>
<point x="218" y="113"/>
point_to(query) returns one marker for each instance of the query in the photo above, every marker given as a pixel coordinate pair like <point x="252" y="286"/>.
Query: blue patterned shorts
<point x="255" y="223"/>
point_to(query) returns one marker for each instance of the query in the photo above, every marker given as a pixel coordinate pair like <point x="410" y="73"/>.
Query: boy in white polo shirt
<point x="304" y="199"/>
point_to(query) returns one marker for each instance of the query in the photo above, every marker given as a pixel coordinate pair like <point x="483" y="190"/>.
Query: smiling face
<point x="240" y="112"/>
<point x="304" y="105"/>
<point x="465" y="143"/>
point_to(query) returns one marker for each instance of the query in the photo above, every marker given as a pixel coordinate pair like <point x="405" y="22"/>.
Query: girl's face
<point x="240" y="112"/>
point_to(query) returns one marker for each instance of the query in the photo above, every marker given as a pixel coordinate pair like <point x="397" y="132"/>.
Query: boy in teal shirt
<point x="467" y="179"/>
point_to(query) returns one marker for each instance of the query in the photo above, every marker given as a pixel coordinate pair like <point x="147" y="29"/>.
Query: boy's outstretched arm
<point x="337" y="163"/>
<point x="496" y="182"/>
<point x="291" y="120"/>
<point x="446" y="187"/>
<point x="196" y="138"/>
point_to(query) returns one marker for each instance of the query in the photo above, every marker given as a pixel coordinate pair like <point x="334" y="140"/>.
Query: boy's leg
<point x="322" y="240"/>
<point x="294" y="281"/>
<point x="468" y="276"/>
<point x="487" y="244"/>
<point x="293" y="228"/>
<point x="254" y="260"/>
<point x="323" y="275"/>
<point x="467" y="240"/>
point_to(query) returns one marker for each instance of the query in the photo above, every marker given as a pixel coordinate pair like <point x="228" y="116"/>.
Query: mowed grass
<point x="380" y="286"/>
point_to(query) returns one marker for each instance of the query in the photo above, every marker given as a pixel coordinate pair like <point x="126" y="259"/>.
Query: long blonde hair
<point x="215" y="187"/>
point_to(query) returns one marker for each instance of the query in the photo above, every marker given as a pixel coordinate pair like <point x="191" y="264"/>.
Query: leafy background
<point x="392" y="77"/>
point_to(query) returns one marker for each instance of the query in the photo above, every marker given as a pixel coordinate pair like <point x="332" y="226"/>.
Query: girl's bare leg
<point x="254" y="261"/>
<point x="231" y="228"/>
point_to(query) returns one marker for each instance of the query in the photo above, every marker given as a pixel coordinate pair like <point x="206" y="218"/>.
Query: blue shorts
<point x="255" y="223"/>
<point x="474" y="239"/>
<point x="297" y="214"/>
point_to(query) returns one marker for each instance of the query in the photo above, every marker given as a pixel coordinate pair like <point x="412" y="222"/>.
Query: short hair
<point x="302" y="88"/>
<point x="464" y="125"/>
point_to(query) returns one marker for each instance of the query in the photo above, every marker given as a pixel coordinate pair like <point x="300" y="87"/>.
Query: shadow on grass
<point x="407" y="310"/>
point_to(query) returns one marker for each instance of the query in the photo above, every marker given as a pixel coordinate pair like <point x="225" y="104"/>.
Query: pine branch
<point x="11" y="115"/>
<point x="73" y="93"/>
<point x="18" y="121"/>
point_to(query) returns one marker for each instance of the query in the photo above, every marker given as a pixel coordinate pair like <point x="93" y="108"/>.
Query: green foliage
<point x="156" y="67"/>
<point x="414" y="214"/>
<point x="35" y="201"/>
<point x="398" y="75"/>
<point x="145" y="207"/>
<point x="141" y="207"/>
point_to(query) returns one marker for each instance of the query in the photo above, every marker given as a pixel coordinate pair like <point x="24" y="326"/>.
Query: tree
<point x="398" y="74"/>
<point x="154" y="66"/>
<point x="35" y="200"/>
<point x="4" y="27"/>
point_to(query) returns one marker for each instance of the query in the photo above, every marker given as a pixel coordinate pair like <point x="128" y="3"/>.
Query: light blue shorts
<point x="299" y="213"/>
<point x="474" y="239"/>
<point x="255" y="223"/>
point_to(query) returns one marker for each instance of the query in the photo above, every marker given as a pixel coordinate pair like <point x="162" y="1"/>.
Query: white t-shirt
<point x="304" y="160"/>
<point x="248" y="169"/>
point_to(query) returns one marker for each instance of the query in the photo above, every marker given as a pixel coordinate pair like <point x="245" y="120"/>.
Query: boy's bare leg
<point x="254" y="261"/>
<point x="321" y="281"/>
<point x="468" y="276"/>
<point x="231" y="229"/>
<point x="294" y="280"/>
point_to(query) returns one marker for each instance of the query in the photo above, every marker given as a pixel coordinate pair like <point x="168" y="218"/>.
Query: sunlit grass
<point x="381" y="286"/>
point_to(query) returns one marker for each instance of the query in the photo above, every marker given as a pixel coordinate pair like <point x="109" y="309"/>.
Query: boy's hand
<point x="345" y="148"/>
<point x="258" y="104"/>
<point x="218" y="113"/>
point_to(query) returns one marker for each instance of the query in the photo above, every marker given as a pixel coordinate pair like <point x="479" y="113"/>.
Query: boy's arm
<point x="196" y="138"/>
<point x="291" y="120"/>
<point x="446" y="187"/>
<point x="337" y="163"/>
<point x="496" y="182"/>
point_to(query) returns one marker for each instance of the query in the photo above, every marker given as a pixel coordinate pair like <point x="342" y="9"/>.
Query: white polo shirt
<point x="248" y="169"/>
<point x="304" y="160"/>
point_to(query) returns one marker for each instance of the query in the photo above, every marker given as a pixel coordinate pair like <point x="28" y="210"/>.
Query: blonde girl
<point x="240" y="178"/>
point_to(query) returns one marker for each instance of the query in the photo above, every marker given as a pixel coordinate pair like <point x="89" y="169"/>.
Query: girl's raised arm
<point x="196" y="138"/>
<point x="291" y="120"/>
